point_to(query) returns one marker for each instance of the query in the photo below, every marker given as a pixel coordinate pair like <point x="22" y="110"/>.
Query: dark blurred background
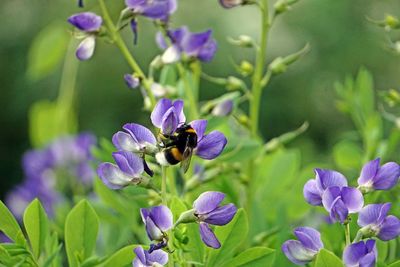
<point x="338" y="32"/>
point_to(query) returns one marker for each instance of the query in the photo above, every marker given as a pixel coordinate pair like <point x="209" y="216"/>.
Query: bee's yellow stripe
<point x="190" y="130"/>
<point x="176" y="154"/>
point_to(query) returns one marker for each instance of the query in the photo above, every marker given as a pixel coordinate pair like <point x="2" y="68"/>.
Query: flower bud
<point x="186" y="217"/>
<point x="391" y="22"/>
<point x="234" y="83"/>
<point x="230" y="3"/>
<point x="279" y="65"/>
<point x="132" y="81"/>
<point x="85" y="49"/>
<point x="283" y="5"/>
<point x="242" y="41"/>
<point x="223" y="108"/>
<point x="246" y="68"/>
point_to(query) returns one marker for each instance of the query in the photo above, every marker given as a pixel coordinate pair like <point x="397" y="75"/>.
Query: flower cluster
<point x="66" y="162"/>
<point x="330" y="189"/>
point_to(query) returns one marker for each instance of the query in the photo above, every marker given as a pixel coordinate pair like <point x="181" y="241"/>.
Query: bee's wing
<point x="187" y="157"/>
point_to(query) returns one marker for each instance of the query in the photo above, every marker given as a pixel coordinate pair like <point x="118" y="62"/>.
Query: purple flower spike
<point x="85" y="49"/>
<point x="168" y="115"/>
<point x="230" y="3"/>
<point x="209" y="146"/>
<point x="360" y="254"/>
<point x="153" y="9"/>
<point x="314" y="188"/>
<point x="375" y="222"/>
<point x="376" y="177"/>
<point x="195" y="45"/>
<point x="127" y="171"/>
<point x="158" y="221"/>
<point x="207" y="209"/>
<point x="303" y="250"/>
<point x="339" y="202"/>
<point x="131" y="81"/>
<point x="146" y="259"/>
<point x="86" y="21"/>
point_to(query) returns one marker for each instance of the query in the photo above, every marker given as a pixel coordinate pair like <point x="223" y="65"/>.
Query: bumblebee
<point x="178" y="147"/>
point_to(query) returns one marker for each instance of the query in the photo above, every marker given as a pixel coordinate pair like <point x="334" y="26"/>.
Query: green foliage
<point x="253" y="257"/>
<point x="231" y="236"/>
<point x="121" y="258"/>
<point x="47" y="50"/>
<point x="81" y="227"/>
<point x="9" y="225"/>
<point x="326" y="258"/>
<point x="36" y="226"/>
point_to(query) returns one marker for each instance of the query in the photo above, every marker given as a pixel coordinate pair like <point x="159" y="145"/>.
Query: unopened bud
<point x="283" y="5"/>
<point x="186" y="217"/>
<point x="234" y="83"/>
<point x="230" y="3"/>
<point x="242" y="41"/>
<point x="391" y="22"/>
<point x="132" y="81"/>
<point x="223" y="108"/>
<point x="280" y="64"/>
<point x="246" y="68"/>
<point x="157" y="62"/>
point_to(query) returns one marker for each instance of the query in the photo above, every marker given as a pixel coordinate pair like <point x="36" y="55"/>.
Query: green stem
<point x="257" y="85"/>
<point x="164" y="185"/>
<point x="358" y="237"/>
<point x="347" y="233"/>
<point x="189" y="91"/>
<point x="125" y="51"/>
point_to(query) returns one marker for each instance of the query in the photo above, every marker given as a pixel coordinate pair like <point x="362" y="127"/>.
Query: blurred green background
<point x="341" y="41"/>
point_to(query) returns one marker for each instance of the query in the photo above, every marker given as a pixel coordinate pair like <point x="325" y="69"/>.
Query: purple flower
<point x="209" y="146"/>
<point x="136" y="138"/>
<point x="194" y="45"/>
<point x="360" y="254"/>
<point x="340" y="202"/>
<point x="314" y="188"/>
<point x="158" y="220"/>
<point x="153" y="9"/>
<point x="131" y="81"/>
<point x="168" y="115"/>
<point x="89" y="23"/>
<point x="146" y="259"/>
<point x="376" y="177"/>
<point x="208" y="211"/>
<point x="223" y="108"/>
<point x="230" y="3"/>
<point x="127" y="171"/>
<point x="375" y="222"/>
<point x="86" y="21"/>
<point x="303" y="250"/>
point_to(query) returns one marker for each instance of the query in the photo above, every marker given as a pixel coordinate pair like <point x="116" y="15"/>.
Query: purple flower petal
<point x="170" y="122"/>
<point x="157" y="256"/>
<point x="311" y="193"/>
<point x="368" y="260"/>
<point x="221" y="215"/>
<point x="140" y="255"/>
<point x="159" y="111"/>
<point x="223" y="108"/>
<point x="131" y="81"/>
<point x="129" y="163"/>
<point x="153" y="232"/>
<point x="162" y="217"/>
<point x="373" y="214"/>
<point x="85" y="49"/>
<point x="208" y="201"/>
<point x="339" y="211"/>
<point x="297" y="253"/>
<point x="390" y="228"/>
<point x="160" y="40"/>
<point x="207" y="52"/>
<point x="200" y="127"/>
<point x="387" y="176"/>
<point x="309" y="238"/>
<point x="112" y="176"/>
<point x="368" y="171"/>
<point x="211" y="145"/>
<point x="178" y="105"/>
<point x="208" y="236"/>
<point x="124" y="142"/>
<point x="328" y="178"/>
<point x="86" y="21"/>
<point x="330" y="196"/>
<point x="352" y="198"/>
<point x="359" y="254"/>
<point x="140" y="134"/>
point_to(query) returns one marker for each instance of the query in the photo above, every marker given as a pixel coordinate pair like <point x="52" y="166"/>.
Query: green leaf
<point x="10" y="226"/>
<point x="325" y="258"/>
<point x="47" y="50"/>
<point x="121" y="258"/>
<point x="168" y="75"/>
<point x="177" y="207"/>
<point x="253" y="257"/>
<point x="230" y="236"/>
<point x="347" y="155"/>
<point x="36" y="226"/>
<point x="195" y="246"/>
<point x="48" y="120"/>
<point x="395" y="264"/>
<point x="81" y="227"/>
